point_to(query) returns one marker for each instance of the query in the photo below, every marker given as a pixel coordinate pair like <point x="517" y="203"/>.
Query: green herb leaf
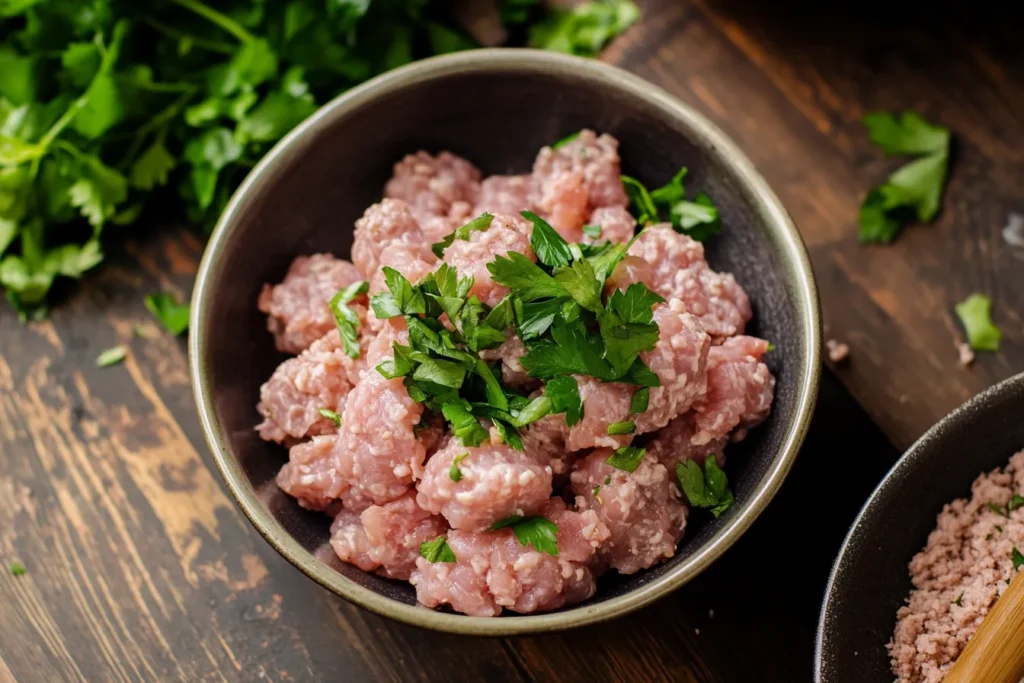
<point x="582" y="284"/>
<point x="345" y="319"/>
<point x="592" y="231"/>
<point x="975" y="313"/>
<point x="566" y="140"/>
<point x="172" y="315"/>
<point x="707" y="488"/>
<point x="437" y="550"/>
<point x="17" y="569"/>
<point x="533" y="411"/>
<point x="111" y="356"/>
<point x="627" y="458"/>
<point x="550" y="247"/>
<point x="524" y="277"/>
<point x="640" y="201"/>
<point x="444" y="372"/>
<point x="1018" y="559"/>
<point x="454" y="473"/>
<point x="699" y="219"/>
<point x="1015" y="502"/>
<point x="908" y="134"/>
<point x="465" y="425"/>
<point x="584" y="29"/>
<point x="330" y="415"/>
<point x="534" y="530"/>
<point x="635" y="304"/>
<point x="481" y="222"/>
<point x="959" y="600"/>
<point x="619" y="428"/>
<point x="564" y="393"/>
<point x="638" y="403"/>
<point x="671" y="192"/>
<point x="999" y="510"/>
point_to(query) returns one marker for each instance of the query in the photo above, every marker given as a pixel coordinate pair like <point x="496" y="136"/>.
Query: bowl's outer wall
<point x="308" y="199"/>
<point x="870" y="580"/>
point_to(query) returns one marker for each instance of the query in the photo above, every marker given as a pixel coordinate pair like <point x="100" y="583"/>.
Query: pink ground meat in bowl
<point x="448" y="379"/>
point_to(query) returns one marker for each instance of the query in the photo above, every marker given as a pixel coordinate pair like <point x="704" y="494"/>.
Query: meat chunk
<point x="384" y="224"/>
<point x="545" y="440"/>
<point x="385" y="538"/>
<point x="629" y="270"/>
<point x="378" y="452"/>
<point x="319" y="377"/>
<point x="312" y="475"/>
<point x="674" y="443"/>
<point x="411" y="260"/>
<point x="604" y="403"/>
<point x="494" y="571"/>
<point x="679" y="271"/>
<point x="617" y="224"/>
<point x="507" y="194"/>
<point x="443" y="185"/>
<point x="679" y="359"/>
<point x="494" y="481"/>
<point x="470" y="257"/>
<point x="512" y="372"/>
<point x="297" y="310"/>
<point x="740" y="390"/>
<point x="643" y="509"/>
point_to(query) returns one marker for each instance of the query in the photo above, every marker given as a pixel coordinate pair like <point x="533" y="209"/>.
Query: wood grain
<point x="140" y="568"/>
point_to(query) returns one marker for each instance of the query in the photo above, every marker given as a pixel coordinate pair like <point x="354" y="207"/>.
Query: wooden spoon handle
<point x="995" y="654"/>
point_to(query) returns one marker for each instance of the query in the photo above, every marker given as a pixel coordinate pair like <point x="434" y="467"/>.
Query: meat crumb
<point x="966" y="354"/>
<point x="837" y="351"/>
<point x="959" y="575"/>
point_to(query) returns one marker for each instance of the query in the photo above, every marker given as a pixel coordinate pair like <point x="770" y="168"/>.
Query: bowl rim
<point x="797" y="271"/>
<point x="917" y="450"/>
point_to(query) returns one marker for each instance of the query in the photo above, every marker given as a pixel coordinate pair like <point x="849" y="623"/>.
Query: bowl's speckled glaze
<point x="496" y="108"/>
<point x="870" y="579"/>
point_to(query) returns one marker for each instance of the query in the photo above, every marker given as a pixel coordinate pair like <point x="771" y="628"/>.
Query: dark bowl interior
<point x="497" y="112"/>
<point x="870" y="580"/>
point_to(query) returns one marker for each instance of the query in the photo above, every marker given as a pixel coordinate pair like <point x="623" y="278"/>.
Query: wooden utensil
<point x="995" y="654"/>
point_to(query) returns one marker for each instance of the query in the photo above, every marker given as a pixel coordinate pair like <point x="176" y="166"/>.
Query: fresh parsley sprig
<point x="534" y="530"/>
<point x="705" y="489"/>
<point x="698" y="218"/>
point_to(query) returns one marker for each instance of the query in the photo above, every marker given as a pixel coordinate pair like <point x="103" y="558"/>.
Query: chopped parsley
<point x="172" y="315"/>
<point x="998" y="509"/>
<point x="345" y="319"/>
<point x="915" y="189"/>
<point x="534" y="530"/>
<point x="17" y="569"/>
<point x="627" y="458"/>
<point x="975" y="313"/>
<point x="1018" y="558"/>
<point x="596" y="490"/>
<point x="454" y="473"/>
<point x="330" y="415"/>
<point x="638" y="403"/>
<point x="111" y="356"/>
<point x="608" y="480"/>
<point x="698" y="218"/>
<point x="564" y="393"/>
<point x="959" y="600"/>
<point x="592" y="231"/>
<point x="1015" y="502"/>
<point x="619" y="428"/>
<point x="566" y="140"/>
<point x="707" y="488"/>
<point x="551" y="249"/>
<point x="481" y="222"/>
<point x="437" y="550"/>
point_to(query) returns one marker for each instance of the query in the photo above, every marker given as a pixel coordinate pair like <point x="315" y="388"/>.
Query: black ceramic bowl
<point x="870" y="579"/>
<point x="496" y="108"/>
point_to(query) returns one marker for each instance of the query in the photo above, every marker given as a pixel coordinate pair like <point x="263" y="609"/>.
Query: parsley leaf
<point x="465" y="425"/>
<point x="707" y="488"/>
<point x="699" y="219"/>
<point x="437" y="550"/>
<point x="345" y="319"/>
<point x="481" y="222"/>
<point x="1015" y="502"/>
<point x="582" y="284"/>
<point x="564" y="393"/>
<point x="584" y="29"/>
<point x="671" y="192"/>
<point x="534" y="530"/>
<point x="17" y="569"/>
<point x="454" y="473"/>
<point x="619" y="428"/>
<point x="330" y="415"/>
<point x="443" y="372"/>
<point x="638" y="403"/>
<point x="550" y="247"/>
<point x="627" y="458"/>
<point x="1018" y="558"/>
<point x="959" y="600"/>
<point x="111" y="356"/>
<point x="975" y="313"/>
<point x="172" y="315"/>
<point x="909" y="134"/>
<point x="533" y="411"/>
<point x="635" y="304"/>
<point x="592" y="231"/>
<point x="524" y="277"/>
<point x="997" y="509"/>
<point x="566" y="140"/>
<point x="640" y="201"/>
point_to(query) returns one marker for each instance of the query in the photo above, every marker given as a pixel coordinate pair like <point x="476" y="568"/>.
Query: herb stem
<point x="222" y="20"/>
<point x="204" y="43"/>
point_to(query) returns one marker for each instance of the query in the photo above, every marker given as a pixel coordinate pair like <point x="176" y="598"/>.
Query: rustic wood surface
<point x="140" y="568"/>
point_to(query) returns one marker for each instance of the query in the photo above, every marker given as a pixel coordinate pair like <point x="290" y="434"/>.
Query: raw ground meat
<point x="957" y="577"/>
<point x="497" y="482"/>
<point x="470" y="257"/>
<point x="571" y="181"/>
<point x="679" y="271"/>
<point x="508" y="194"/>
<point x="604" y="403"/>
<point x="319" y="377"/>
<point x="617" y="224"/>
<point x="512" y="372"/>
<point x="443" y="185"/>
<point x="545" y="439"/>
<point x="643" y="509"/>
<point x="385" y="538"/>
<point x="629" y="270"/>
<point x="378" y="452"/>
<point x="739" y="392"/>
<point x="311" y="474"/>
<point x="675" y="444"/>
<point x="382" y="225"/>
<point x="494" y="571"/>
<point x="297" y="310"/>
<point x="410" y="260"/>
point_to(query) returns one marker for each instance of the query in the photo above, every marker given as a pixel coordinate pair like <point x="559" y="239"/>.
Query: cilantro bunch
<point x="106" y="105"/>
<point x="698" y="218"/>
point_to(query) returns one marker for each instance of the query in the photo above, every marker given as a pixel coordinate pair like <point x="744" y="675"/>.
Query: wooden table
<point x="140" y="567"/>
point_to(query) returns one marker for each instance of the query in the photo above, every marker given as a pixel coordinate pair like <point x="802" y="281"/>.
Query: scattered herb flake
<point x="638" y="403"/>
<point x="998" y="509"/>
<point x="1015" y="502"/>
<point x="111" y="356"/>
<point x="619" y="428"/>
<point x="17" y="569"/>
<point x="454" y="473"/>
<point x="707" y="488"/>
<point x="437" y="550"/>
<point x="627" y="458"/>
<point x="975" y="313"/>
<point x="330" y="415"/>
<point x="959" y="600"/>
<point x="345" y="319"/>
<point x="566" y="140"/>
<point x="1018" y="558"/>
<point x="534" y="530"/>
<point x="172" y="315"/>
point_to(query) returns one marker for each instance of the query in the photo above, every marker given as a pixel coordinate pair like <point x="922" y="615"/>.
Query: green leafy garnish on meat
<point x="17" y="569"/>
<point x="454" y="473"/>
<point x="111" y="356"/>
<point x="172" y="315"/>
<point x="698" y="218"/>
<point x="437" y="550"/>
<point x="707" y="488"/>
<point x="1015" y="502"/>
<point x="638" y="403"/>
<point x="975" y="313"/>
<point x="1018" y="558"/>
<point x="481" y="222"/>
<point x="564" y="393"/>
<point x="534" y="530"/>
<point x="330" y="415"/>
<point x="345" y="319"/>
<point x="550" y="247"/>
<point x="626" y="458"/>
<point x="913" y="191"/>
<point x="619" y="428"/>
<point x="112" y="112"/>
